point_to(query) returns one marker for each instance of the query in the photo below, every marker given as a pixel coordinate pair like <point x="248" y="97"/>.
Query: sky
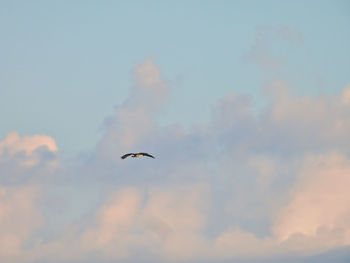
<point x="244" y="104"/>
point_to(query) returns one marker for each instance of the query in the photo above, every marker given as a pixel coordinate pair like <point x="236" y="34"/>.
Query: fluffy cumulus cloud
<point x="27" y="158"/>
<point x="319" y="202"/>
<point x="26" y="150"/>
<point x="245" y="186"/>
<point x="162" y="222"/>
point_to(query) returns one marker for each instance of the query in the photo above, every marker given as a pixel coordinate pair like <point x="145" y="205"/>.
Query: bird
<point x="135" y="155"/>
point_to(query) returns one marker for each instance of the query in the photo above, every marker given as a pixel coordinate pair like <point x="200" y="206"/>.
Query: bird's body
<point x="136" y="155"/>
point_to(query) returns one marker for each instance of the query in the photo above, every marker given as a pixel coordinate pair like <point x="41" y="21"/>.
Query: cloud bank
<point x="244" y="186"/>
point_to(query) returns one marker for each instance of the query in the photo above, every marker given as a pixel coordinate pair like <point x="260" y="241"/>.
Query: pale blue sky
<point x="259" y="92"/>
<point x="66" y="64"/>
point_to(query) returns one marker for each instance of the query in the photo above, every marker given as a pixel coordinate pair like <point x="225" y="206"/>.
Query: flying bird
<point x="135" y="155"/>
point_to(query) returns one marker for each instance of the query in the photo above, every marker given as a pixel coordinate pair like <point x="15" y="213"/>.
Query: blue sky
<point x="245" y="105"/>
<point x="66" y="65"/>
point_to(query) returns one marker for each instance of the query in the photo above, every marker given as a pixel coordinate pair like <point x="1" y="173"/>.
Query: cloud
<point x="165" y="222"/>
<point x="134" y="121"/>
<point x="319" y="205"/>
<point x="346" y="95"/>
<point x="253" y="161"/>
<point x="162" y="224"/>
<point x="19" y="219"/>
<point x="27" y="158"/>
<point x="26" y="148"/>
<point x="262" y="52"/>
<point x="244" y="186"/>
<point x="308" y="123"/>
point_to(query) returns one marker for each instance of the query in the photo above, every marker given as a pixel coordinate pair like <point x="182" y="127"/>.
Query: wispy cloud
<point x="262" y="52"/>
<point x="134" y="120"/>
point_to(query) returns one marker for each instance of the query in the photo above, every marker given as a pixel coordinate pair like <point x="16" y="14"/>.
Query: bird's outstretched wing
<point x="126" y="155"/>
<point x="147" y="154"/>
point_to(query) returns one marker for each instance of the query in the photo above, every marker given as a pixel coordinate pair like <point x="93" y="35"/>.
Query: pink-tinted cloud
<point x="317" y="123"/>
<point x="320" y="201"/>
<point x="19" y="218"/>
<point x="346" y="95"/>
<point x="244" y="181"/>
<point x="13" y="145"/>
<point x="241" y="186"/>
<point x="167" y="222"/>
<point x="162" y="224"/>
